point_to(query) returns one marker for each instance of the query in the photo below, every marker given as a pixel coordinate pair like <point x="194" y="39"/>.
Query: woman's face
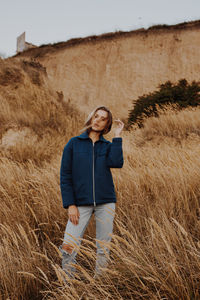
<point x="99" y="120"/>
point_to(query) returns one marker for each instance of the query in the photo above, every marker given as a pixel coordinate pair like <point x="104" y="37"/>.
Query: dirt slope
<point x="114" y="69"/>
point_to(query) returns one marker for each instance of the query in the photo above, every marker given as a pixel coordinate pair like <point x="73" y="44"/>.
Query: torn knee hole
<point x="68" y="248"/>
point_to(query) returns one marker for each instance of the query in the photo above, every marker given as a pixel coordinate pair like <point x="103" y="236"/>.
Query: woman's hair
<point x="89" y="119"/>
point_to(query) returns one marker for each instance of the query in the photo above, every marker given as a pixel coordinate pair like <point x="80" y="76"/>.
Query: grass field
<point x="155" y="250"/>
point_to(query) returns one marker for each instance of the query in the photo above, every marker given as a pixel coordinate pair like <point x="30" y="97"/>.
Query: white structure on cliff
<point x="22" y="45"/>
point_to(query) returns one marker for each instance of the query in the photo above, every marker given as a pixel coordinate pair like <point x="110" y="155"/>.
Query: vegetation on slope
<point x="29" y="105"/>
<point x="181" y="94"/>
<point x="156" y="242"/>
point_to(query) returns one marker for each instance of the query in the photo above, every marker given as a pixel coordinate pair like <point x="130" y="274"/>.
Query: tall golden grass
<point x="155" y="249"/>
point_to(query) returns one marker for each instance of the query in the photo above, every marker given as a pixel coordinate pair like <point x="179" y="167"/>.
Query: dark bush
<point x="181" y="94"/>
<point x="9" y="76"/>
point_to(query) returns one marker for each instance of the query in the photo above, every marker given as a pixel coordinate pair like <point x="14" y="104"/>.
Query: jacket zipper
<point x="93" y="178"/>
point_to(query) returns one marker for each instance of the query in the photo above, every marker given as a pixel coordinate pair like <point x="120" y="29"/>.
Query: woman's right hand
<point x="74" y="214"/>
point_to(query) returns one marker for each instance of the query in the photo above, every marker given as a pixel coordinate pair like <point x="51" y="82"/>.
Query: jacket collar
<point x="85" y="135"/>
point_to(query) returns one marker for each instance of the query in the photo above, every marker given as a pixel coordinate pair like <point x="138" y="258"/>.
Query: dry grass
<point x="156" y="242"/>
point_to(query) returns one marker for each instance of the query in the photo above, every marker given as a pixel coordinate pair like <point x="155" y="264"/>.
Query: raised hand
<point x="119" y="128"/>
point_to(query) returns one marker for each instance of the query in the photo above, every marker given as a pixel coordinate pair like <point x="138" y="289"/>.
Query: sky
<point x="51" y="21"/>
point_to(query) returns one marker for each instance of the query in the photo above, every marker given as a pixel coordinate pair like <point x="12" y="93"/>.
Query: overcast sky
<point x="51" y="21"/>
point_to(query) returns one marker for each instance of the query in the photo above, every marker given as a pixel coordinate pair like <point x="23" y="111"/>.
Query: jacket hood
<point x="85" y="135"/>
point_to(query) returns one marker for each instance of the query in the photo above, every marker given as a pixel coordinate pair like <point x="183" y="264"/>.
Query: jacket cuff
<point x="68" y="204"/>
<point x="117" y="140"/>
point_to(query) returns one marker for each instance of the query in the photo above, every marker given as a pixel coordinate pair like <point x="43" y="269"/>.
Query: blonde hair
<point x="89" y="119"/>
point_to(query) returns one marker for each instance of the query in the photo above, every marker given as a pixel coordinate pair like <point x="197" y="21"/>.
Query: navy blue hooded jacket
<point x="85" y="175"/>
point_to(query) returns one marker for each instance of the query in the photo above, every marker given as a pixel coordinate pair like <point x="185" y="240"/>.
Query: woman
<point x="87" y="186"/>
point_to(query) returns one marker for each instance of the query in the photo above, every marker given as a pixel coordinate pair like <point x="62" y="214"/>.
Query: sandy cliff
<point x="116" y="68"/>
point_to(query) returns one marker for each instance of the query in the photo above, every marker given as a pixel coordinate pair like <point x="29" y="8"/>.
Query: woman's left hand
<point x="120" y="126"/>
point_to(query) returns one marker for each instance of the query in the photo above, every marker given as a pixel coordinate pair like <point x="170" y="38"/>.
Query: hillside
<point x="116" y="68"/>
<point x="155" y="246"/>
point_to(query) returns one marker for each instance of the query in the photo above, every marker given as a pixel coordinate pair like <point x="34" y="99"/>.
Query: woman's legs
<point x="104" y="216"/>
<point x="72" y="239"/>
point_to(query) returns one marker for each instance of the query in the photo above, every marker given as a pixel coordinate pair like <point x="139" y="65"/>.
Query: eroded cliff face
<point x="117" y="70"/>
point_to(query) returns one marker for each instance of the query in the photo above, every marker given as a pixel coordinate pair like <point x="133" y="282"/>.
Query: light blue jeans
<point x="104" y="216"/>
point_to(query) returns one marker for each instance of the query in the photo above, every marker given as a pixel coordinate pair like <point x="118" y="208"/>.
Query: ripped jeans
<point x="104" y="216"/>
